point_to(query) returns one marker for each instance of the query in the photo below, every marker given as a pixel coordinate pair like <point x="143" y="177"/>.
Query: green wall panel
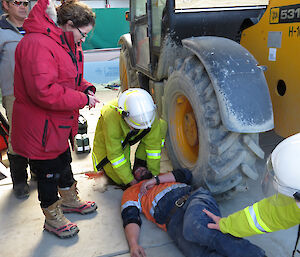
<point x="110" y="25"/>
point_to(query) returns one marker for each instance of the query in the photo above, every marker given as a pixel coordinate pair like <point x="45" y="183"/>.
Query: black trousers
<point x="52" y="174"/>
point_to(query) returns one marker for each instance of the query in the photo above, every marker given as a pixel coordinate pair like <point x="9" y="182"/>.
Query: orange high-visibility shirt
<point x="147" y="203"/>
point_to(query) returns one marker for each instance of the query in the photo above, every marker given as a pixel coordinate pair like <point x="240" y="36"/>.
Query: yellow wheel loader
<point x="206" y="85"/>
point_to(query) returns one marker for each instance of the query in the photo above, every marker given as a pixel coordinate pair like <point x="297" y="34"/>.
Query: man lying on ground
<point x="168" y="201"/>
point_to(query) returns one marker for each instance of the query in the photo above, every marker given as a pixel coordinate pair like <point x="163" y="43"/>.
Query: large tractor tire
<point x="219" y="159"/>
<point x="128" y="76"/>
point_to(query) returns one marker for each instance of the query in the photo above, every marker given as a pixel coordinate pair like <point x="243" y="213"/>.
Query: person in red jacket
<point x="49" y="91"/>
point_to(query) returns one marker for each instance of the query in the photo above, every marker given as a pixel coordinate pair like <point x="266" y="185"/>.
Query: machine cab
<point x="152" y="20"/>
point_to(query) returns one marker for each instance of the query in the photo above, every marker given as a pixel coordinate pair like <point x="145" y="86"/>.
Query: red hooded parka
<point x="48" y="87"/>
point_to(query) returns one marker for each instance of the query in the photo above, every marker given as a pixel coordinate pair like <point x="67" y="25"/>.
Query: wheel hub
<point x="190" y="129"/>
<point x="186" y="131"/>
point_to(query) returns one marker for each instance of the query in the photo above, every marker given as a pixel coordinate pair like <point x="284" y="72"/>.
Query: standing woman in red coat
<point x="50" y="90"/>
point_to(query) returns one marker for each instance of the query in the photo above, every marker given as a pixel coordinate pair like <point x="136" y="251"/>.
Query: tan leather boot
<point x="57" y="223"/>
<point x="72" y="203"/>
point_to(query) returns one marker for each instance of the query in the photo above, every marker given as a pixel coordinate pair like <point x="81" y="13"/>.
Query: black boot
<point x="18" y="170"/>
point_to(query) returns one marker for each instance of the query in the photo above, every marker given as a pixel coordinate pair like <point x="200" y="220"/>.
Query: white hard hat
<point x="284" y="166"/>
<point x="140" y="107"/>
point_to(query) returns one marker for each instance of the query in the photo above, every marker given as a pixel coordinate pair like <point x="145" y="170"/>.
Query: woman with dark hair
<point x="49" y="91"/>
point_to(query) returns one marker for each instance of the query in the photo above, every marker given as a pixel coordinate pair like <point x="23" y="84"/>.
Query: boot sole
<point x="53" y="230"/>
<point x="21" y="197"/>
<point x="70" y="210"/>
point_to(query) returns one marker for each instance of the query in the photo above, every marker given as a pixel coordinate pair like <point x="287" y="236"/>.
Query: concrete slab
<point x="102" y="72"/>
<point x="102" y="65"/>
<point x="101" y="55"/>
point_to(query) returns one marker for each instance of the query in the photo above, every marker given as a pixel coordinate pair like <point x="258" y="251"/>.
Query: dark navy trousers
<point x="188" y="229"/>
<point x="52" y="174"/>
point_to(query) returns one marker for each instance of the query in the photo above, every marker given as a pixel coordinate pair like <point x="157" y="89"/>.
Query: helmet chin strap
<point x="297" y="196"/>
<point x="290" y="192"/>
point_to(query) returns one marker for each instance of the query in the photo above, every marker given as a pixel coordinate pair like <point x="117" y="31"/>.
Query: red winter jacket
<point x="48" y="87"/>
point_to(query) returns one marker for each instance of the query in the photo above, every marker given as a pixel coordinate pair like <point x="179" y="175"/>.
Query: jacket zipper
<point x="73" y="57"/>
<point x="45" y="133"/>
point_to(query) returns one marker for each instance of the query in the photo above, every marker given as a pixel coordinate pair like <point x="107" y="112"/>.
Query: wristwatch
<point x="157" y="180"/>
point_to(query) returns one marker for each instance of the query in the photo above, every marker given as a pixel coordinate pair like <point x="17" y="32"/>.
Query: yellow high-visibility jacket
<point x="268" y="215"/>
<point x="111" y="131"/>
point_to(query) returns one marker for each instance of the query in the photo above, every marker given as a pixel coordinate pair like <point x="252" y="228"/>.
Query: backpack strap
<point x="126" y="141"/>
<point x="4" y="122"/>
<point x="139" y="137"/>
<point x="4" y="134"/>
<point x="297" y="241"/>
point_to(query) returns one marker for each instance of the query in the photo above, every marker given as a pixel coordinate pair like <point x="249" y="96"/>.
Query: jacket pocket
<point x="66" y="72"/>
<point x="56" y="133"/>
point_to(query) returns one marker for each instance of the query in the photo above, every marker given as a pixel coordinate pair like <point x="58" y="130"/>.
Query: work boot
<point x="18" y="170"/>
<point x="21" y="190"/>
<point x="57" y="223"/>
<point x="72" y="203"/>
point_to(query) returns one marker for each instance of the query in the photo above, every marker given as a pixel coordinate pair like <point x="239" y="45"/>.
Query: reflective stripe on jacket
<point x="254" y="219"/>
<point x="268" y="215"/>
<point x="153" y="154"/>
<point x="119" y="161"/>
